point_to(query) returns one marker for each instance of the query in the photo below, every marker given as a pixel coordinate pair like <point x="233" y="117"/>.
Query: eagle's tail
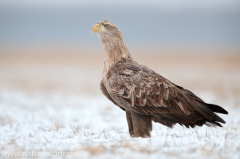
<point x="205" y="114"/>
<point x="217" y="109"/>
<point x="215" y="118"/>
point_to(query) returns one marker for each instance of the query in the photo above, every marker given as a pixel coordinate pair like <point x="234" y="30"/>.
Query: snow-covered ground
<point x="44" y="111"/>
<point x="96" y="128"/>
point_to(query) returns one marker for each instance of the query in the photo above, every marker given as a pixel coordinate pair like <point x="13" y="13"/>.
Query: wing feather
<point x="147" y="92"/>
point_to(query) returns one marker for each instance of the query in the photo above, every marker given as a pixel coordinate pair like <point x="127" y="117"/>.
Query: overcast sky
<point x="170" y="5"/>
<point x="181" y="22"/>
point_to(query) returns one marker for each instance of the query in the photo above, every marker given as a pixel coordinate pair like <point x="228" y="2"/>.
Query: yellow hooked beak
<point x="97" y="28"/>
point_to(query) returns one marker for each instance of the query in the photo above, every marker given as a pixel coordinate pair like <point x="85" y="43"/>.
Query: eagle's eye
<point x="106" y="26"/>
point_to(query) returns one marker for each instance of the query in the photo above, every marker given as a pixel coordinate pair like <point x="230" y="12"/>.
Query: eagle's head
<point x="106" y="29"/>
<point x="112" y="42"/>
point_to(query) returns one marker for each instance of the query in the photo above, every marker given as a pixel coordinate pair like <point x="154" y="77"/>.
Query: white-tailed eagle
<point x="145" y="95"/>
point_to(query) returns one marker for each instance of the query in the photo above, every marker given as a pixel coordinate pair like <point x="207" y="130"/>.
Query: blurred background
<point x="206" y="23"/>
<point x="59" y="31"/>
<point x="49" y="59"/>
<point x="173" y="37"/>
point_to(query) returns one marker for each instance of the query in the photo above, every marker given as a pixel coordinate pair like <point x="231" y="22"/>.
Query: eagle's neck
<point x="114" y="50"/>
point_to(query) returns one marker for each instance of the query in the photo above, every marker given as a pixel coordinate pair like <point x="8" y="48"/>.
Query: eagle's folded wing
<point x="148" y="93"/>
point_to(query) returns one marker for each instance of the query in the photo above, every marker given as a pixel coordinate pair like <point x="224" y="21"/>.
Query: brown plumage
<point x="145" y="95"/>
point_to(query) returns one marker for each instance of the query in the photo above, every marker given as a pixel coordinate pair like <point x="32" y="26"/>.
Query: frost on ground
<point x="96" y="128"/>
<point x="45" y="109"/>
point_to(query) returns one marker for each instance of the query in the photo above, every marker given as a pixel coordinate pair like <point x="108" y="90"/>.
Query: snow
<point x="98" y="129"/>
<point x="56" y="109"/>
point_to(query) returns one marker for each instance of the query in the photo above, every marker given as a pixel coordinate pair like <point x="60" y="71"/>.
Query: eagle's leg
<point x="130" y="124"/>
<point x="142" y="125"/>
